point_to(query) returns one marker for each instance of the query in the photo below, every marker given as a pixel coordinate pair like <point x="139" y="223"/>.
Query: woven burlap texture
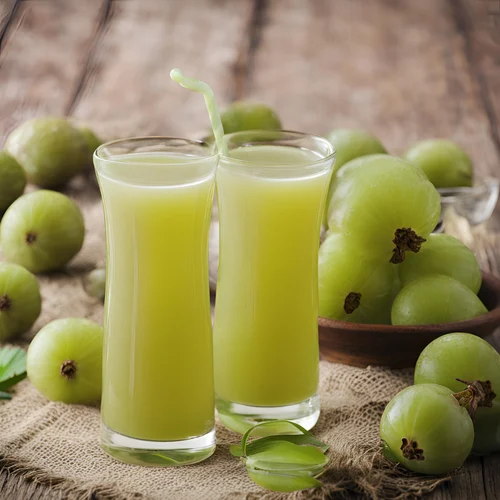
<point x="57" y="446"/>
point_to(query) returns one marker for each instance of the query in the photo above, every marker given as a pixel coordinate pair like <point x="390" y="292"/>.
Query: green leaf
<point x="283" y="462"/>
<point x="274" y="427"/>
<point x="12" y="366"/>
<point x="282" y="482"/>
<point x="269" y="424"/>
<point x="258" y="444"/>
<point x="290" y="469"/>
<point x="236" y="450"/>
<point x="286" y="456"/>
<point x="5" y="395"/>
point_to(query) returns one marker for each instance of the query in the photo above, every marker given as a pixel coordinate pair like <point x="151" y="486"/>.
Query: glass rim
<point x="193" y="142"/>
<point x="297" y="135"/>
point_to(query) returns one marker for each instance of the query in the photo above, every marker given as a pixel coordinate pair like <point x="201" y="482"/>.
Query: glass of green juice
<point x="158" y="391"/>
<point x="271" y="190"/>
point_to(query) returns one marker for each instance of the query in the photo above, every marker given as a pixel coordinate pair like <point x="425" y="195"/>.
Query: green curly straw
<point x="213" y="110"/>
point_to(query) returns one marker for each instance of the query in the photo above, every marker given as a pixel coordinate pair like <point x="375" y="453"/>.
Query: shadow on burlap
<point x="51" y="450"/>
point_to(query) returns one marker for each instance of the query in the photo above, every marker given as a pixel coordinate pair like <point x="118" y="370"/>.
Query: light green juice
<point x="266" y="319"/>
<point x="158" y="369"/>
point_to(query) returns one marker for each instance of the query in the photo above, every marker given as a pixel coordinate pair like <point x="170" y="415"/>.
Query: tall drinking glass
<point x="158" y="395"/>
<point x="271" y="190"/>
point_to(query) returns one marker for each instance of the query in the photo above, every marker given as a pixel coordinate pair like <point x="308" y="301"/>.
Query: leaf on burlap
<point x="283" y="462"/>
<point x="285" y="456"/>
<point x="12" y="367"/>
<point x="282" y="482"/>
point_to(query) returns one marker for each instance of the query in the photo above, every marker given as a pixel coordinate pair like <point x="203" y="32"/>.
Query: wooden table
<point x="404" y="70"/>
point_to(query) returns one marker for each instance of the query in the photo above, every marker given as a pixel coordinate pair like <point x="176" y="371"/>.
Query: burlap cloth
<point x="57" y="445"/>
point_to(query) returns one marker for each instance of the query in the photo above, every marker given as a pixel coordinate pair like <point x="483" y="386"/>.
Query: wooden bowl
<point x="362" y="345"/>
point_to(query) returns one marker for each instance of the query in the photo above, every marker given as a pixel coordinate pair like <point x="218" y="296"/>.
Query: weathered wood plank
<point x="6" y="8"/>
<point x="7" y="14"/>
<point x="491" y="476"/>
<point x="42" y="57"/>
<point x="479" y="21"/>
<point x="104" y="18"/>
<point x="395" y="68"/>
<point x="128" y="90"/>
<point x="466" y="484"/>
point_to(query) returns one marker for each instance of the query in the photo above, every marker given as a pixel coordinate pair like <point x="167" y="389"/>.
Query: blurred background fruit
<point x="95" y="283"/>
<point x="93" y="142"/>
<point x="50" y="150"/>
<point x="12" y="181"/>
<point x="352" y="143"/>
<point x="42" y="231"/>
<point x="445" y="163"/>
<point x="242" y="115"/>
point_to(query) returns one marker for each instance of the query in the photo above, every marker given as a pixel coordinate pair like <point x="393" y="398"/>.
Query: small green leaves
<point x="286" y="428"/>
<point x="236" y="450"/>
<point x="285" y="456"/>
<point x="282" y="482"/>
<point x="255" y="446"/>
<point x="283" y="462"/>
<point x="12" y="369"/>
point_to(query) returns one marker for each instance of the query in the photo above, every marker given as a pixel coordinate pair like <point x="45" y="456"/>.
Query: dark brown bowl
<point x="362" y="345"/>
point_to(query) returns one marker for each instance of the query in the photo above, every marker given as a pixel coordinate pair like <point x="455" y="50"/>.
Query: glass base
<point x="239" y="418"/>
<point x="157" y="453"/>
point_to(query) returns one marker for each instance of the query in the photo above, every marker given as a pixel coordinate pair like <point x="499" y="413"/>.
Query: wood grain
<point x="44" y="50"/>
<point x="398" y="69"/>
<point x="7" y="13"/>
<point x="128" y="90"/>
<point x="479" y="22"/>
<point x="467" y="483"/>
<point x="491" y="476"/>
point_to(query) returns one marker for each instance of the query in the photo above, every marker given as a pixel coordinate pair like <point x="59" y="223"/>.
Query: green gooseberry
<point x="457" y="357"/>
<point x="425" y="429"/>
<point x="353" y="143"/>
<point x="435" y="299"/>
<point x="50" y="150"/>
<point x="243" y="115"/>
<point x="42" y="231"/>
<point x="65" y="361"/>
<point x="445" y="163"/>
<point x="12" y="181"/>
<point x="20" y="300"/>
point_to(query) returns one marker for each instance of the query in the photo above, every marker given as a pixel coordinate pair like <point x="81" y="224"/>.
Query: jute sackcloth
<point x="54" y="449"/>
